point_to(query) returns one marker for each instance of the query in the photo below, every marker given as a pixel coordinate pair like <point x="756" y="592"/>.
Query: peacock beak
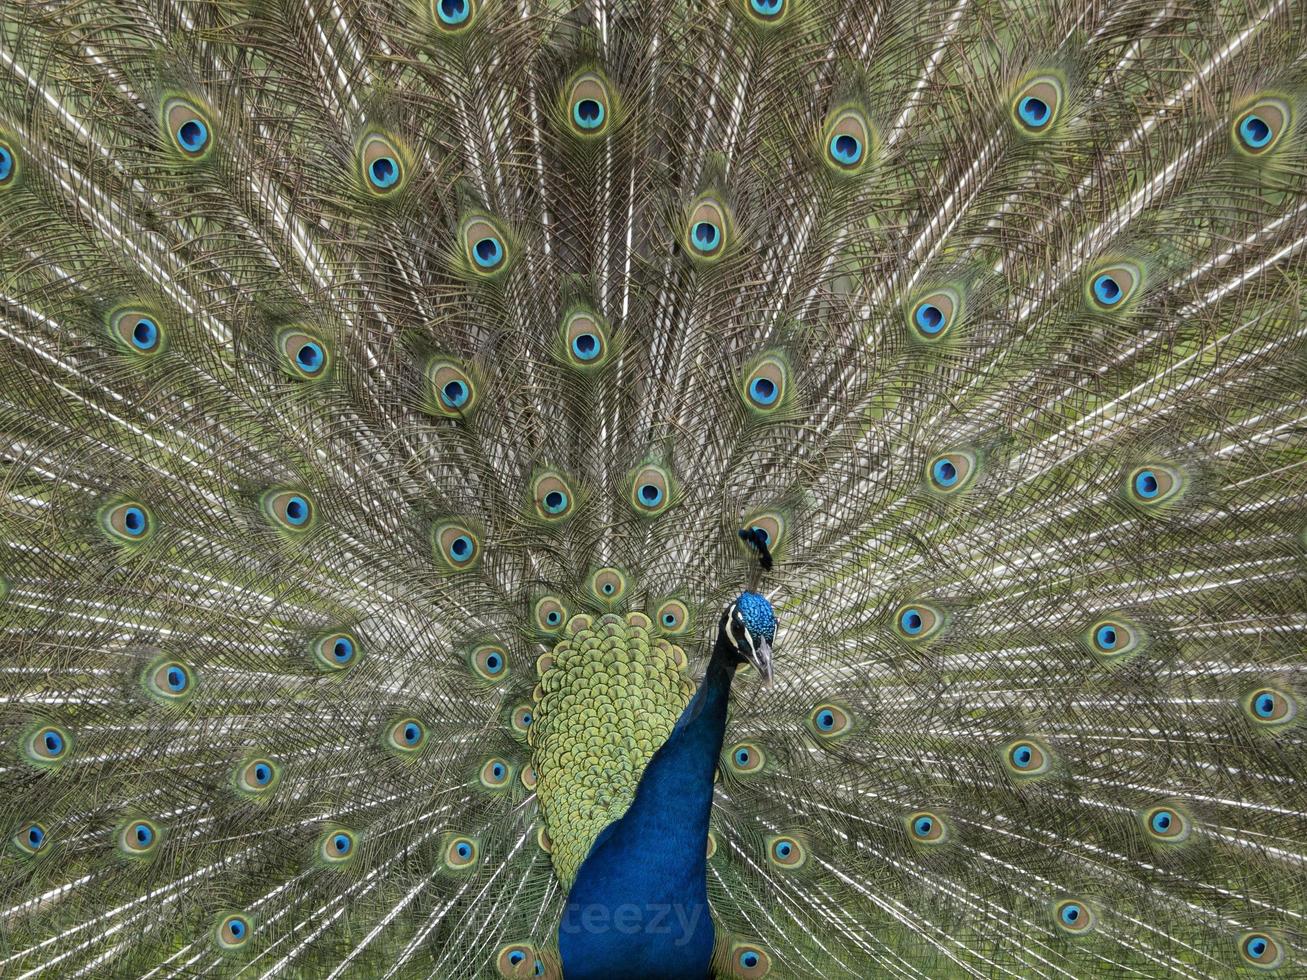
<point x="760" y="657"/>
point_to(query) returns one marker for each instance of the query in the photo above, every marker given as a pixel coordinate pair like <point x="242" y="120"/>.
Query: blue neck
<point x="639" y="906"/>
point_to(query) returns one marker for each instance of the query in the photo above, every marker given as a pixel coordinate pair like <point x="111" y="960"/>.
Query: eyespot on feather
<point x="584" y="340"/>
<point x="1026" y="759"/>
<point x="138" y="838"/>
<point x="748" y="961"/>
<point x="550" y="615"/>
<point x="672" y="617"/>
<point x="766" y="386"/>
<point x="766" y="13"/>
<point x="188" y="128"/>
<point x="1112" y="637"/>
<point x="519" y="960"/>
<point x="1036" y="105"/>
<point x="925" y="827"/>
<point x="10" y="164"/>
<point x="707" y="231"/>
<point x="31" y="839"/>
<point x="258" y="777"/>
<point x="1073" y="915"/>
<point x="553" y="498"/>
<point x="453" y="392"/>
<point x="485" y="246"/>
<point x="130" y="522"/>
<point x="291" y="511"/>
<point x="608" y="585"/>
<point x="1165" y="824"/>
<point x="303" y="354"/>
<point x="951" y="472"/>
<point x="461" y="853"/>
<point x="772" y="524"/>
<point x="935" y="315"/>
<point x="918" y="621"/>
<point x="1261" y="950"/>
<point x="406" y="737"/>
<point x="48" y="745"/>
<point x="169" y="681"/>
<point x="137" y="331"/>
<point x="589" y="105"/>
<point x="1258" y="128"/>
<point x="489" y="661"/>
<point x="337" y="847"/>
<point x="1270" y="707"/>
<point x="233" y="931"/>
<point x="848" y="142"/>
<point x="496" y="773"/>
<point x="830" y="722"/>
<point x="454" y="16"/>
<point x="337" y="651"/>
<point x="1112" y="287"/>
<point x="745" y="758"/>
<point x="456" y="546"/>
<point x="382" y="165"/>
<point x="652" y="490"/>
<point x="520" y="719"/>
<point x="1153" y="484"/>
<point x="787" y="851"/>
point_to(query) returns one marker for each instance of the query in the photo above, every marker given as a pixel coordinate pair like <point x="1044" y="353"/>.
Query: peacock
<point x="706" y="488"/>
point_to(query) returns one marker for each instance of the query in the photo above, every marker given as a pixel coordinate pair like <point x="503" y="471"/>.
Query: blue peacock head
<point x="750" y="625"/>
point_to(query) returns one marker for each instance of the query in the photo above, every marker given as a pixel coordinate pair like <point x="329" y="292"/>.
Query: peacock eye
<point x="138" y="838"/>
<point x="1026" y="758"/>
<point x="490" y="661"/>
<point x="303" y="355"/>
<point x="746" y="757"/>
<point x="233" y="931"/>
<point x="1260" y="950"/>
<point x="406" y="736"/>
<point x="1112" y="638"/>
<point x="673" y="616"/>
<point x="829" y="721"/>
<point x="1073" y="915"/>
<point x="1037" y="104"/>
<point x="188" y="128"/>
<point x="461" y="852"/>
<point x="48" y="745"/>
<point x="608" y="585"/>
<point x="766" y="11"/>
<point x="553" y="497"/>
<point x="1153" y="484"/>
<point x="1112" y="287"/>
<point x="584" y="340"/>
<point x="951" y="472"/>
<point x="766" y="385"/>
<point x="1258" y="129"/>
<point x="707" y="230"/>
<point x="381" y="164"/>
<point x="514" y="959"/>
<point x="588" y="102"/>
<point x="336" y="651"/>
<point x="136" y="331"/>
<point x="935" y="315"/>
<point x="257" y="777"/>
<point x="749" y="961"/>
<point x="457" y="545"/>
<point x="453" y="393"/>
<point x="8" y="165"/>
<point x="1267" y="706"/>
<point x="1166" y="824"/>
<point x="485" y="246"/>
<point x="31" y="838"/>
<point x="338" y="846"/>
<point x="291" y="510"/>
<point x="847" y="139"/>
<point x="495" y="773"/>
<point x="787" y="852"/>
<point x="453" y="16"/>
<point x="129" y="524"/>
<point x="521" y="718"/>
<point x="169" y="681"/>
<point x="925" y="827"/>
<point x="550" y="614"/>
<point x="917" y="621"/>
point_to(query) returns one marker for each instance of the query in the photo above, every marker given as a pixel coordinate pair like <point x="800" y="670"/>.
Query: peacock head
<point x="749" y="625"/>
